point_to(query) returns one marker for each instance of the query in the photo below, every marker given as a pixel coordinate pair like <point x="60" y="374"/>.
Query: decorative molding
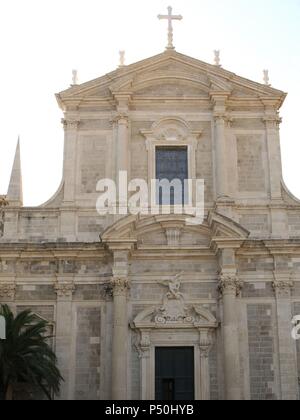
<point x="230" y="284"/>
<point x="7" y="291"/>
<point x="64" y="290"/>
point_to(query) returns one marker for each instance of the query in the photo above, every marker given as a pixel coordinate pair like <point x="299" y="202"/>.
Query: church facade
<point x="147" y="306"/>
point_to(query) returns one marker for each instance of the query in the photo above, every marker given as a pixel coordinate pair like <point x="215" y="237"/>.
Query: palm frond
<point x="26" y="356"/>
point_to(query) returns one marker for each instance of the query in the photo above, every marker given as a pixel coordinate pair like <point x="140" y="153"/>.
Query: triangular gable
<point x="170" y="65"/>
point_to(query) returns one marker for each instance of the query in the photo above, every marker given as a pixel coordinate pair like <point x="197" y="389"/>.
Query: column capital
<point x="70" y="124"/>
<point x="272" y="121"/>
<point x="120" y="285"/>
<point x="121" y="118"/>
<point x="219" y="117"/>
<point x="64" y="290"/>
<point x="283" y="288"/>
<point x="229" y="284"/>
<point x="7" y="291"/>
<point x="223" y="118"/>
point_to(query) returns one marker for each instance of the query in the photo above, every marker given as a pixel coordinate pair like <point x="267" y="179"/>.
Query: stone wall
<point x="251" y="163"/>
<point x="261" y="350"/>
<point x="88" y="353"/>
<point x="93" y="158"/>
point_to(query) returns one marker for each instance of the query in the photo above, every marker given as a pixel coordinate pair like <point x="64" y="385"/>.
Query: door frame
<point x="176" y="347"/>
<point x="200" y="340"/>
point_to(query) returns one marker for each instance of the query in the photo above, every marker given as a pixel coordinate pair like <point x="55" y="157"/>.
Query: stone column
<point x="219" y="115"/>
<point x="145" y="375"/>
<point x="68" y="216"/>
<point x="122" y="149"/>
<point x="230" y="287"/>
<point x="205" y="345"/>
<point x="64" y="291"/>
<point x="287" y="348"/>
<point x="278" y="211"/>
<point x="120" y="286"/>
<point x="122" y="163"/>
<point x="122" y="122"/>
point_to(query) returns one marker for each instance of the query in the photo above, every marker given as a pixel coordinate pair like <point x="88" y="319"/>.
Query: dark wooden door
<point x="174" y="374"/>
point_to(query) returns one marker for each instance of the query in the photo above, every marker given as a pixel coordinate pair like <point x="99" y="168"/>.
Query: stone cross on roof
<point x="170" y="17"/>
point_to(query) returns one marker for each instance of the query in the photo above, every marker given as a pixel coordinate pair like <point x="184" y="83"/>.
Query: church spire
<point x="15" y="189"/>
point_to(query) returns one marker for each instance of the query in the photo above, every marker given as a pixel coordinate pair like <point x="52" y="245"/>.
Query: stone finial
<point x="74" y="77"/>
<point x="266" y="78"/>
<point x="217" y="58"/>
<point x="122" y="58"/>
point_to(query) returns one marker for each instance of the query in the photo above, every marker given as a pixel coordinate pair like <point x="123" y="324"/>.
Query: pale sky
<point x="41" y="41"/>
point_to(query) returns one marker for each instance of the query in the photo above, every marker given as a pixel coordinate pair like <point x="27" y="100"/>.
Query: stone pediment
<point x="172" y="231"/>
<point x="172" y="316"/>
<point x="226" y="228"/>
<point x="170" y="74"/>
<point x="142" y="227"/>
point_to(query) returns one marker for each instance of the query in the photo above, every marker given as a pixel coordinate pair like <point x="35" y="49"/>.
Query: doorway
<point x="174" y="374"/>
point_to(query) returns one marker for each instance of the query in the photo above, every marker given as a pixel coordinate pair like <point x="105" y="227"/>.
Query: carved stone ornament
<point x="70" y="124"/>
<point x="142" y="343"/>
<point x="205" y="343"/>
<point x="64" y="289"/>
<point x="173" y="308"/>
<point x="229" y="283"/>
<point x="121" y="118"/>
<point x="120" y="285"/>
<point x="283" y="287"/>
<point x="7" y="290"/>
<point x="174" y="312"/>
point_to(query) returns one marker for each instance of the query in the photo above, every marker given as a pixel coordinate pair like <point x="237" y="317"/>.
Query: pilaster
<point x="64" y="289"/>
<point x="120" y="286"/>
<point x="70" y="157"/>
<point x="230" y="287"/>
<point x="219" y="115"/>
<point x="283" y="285"/>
